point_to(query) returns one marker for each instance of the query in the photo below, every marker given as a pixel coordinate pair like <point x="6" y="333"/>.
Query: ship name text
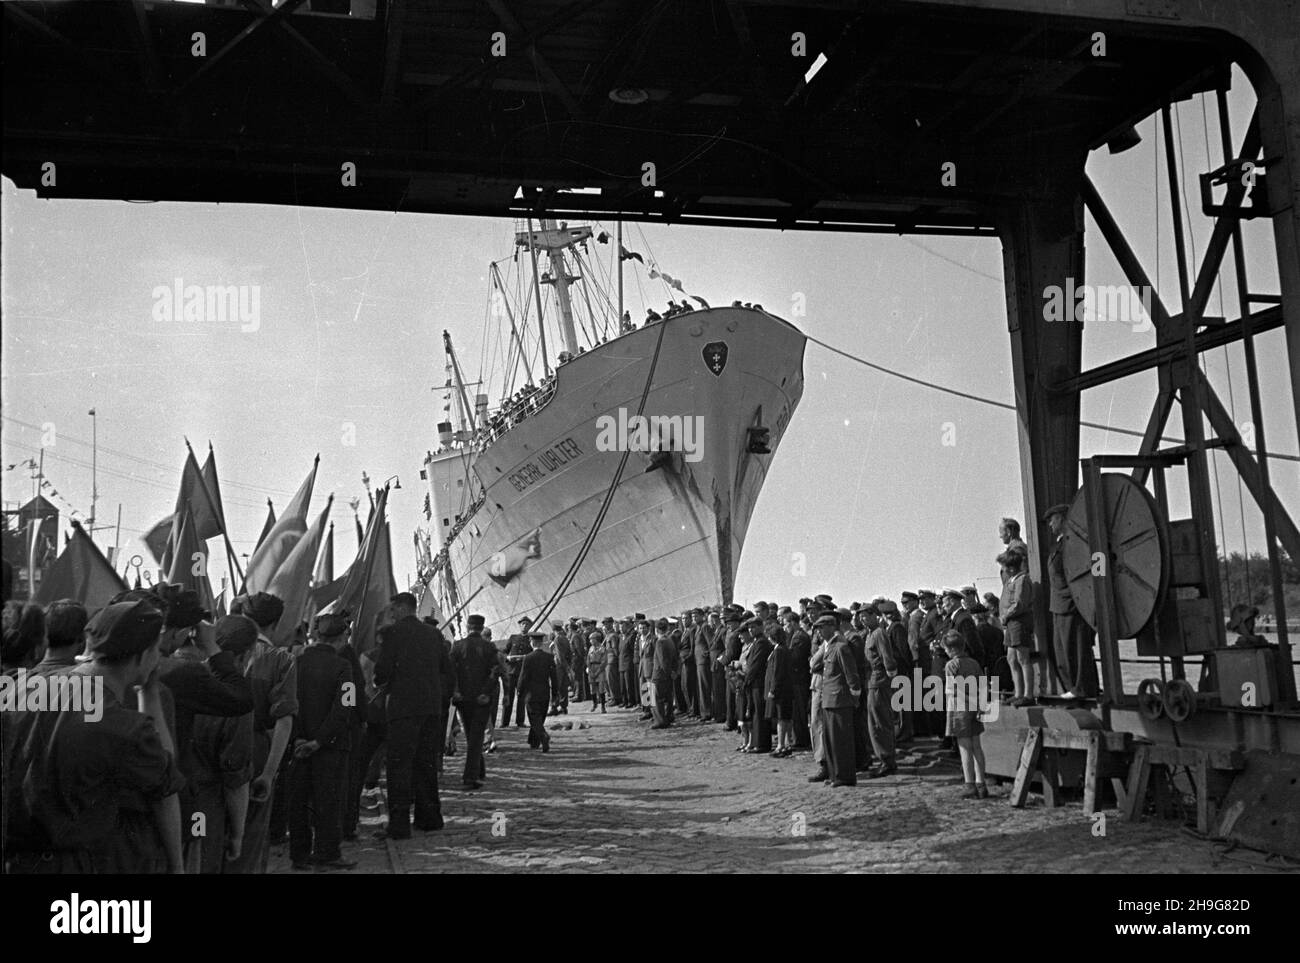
<point x="547" y="461"/>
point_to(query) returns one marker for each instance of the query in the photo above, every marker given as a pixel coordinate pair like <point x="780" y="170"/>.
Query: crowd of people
<point x="212" y="743"/>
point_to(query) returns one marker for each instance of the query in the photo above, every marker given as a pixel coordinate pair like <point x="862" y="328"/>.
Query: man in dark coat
<point x="801" y="678"/>
<point x="855" y="635"/>
<point x="646" y="664"/>
<point x="841" y="689"/>
<point x="718" y="666"/>
<point x="562" y="653"/>
<point x="413" y="665"/>
<point x="688" y="686"/>
<point x="318" y="772"/>
<point x="701" y="637"/>
<point x="629" y="655"/>
<point x="1072" y="637"/>
<point x="537" y="681"/>
<point x="664" y="668"/>
<point x="477" y="666"/>
<point x="755" y="685"/>
<point x="735" y="641"/>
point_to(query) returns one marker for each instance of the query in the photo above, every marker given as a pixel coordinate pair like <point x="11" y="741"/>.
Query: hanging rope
<point x="545" y="612"/>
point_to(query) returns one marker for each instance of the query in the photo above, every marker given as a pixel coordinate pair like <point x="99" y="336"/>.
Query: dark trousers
<point x="802" y="735"/>
<point x="614" y="679"/>
<point x="704" y="687"/>
<point x="537" y="735"/>
<point x="1072" y="641"/>
<point x="720" y="713"/>
<point x="841" y="759"/>
<point x="631" y="688"/>
<point x="662" y="708"/>
<point x="679" y="692"/>
<point x="690" y="684"/>
<point x="413" y="771"/>
<point x="581" y="687"/>
<point x="762" y="738"/>
<point x="735" y="696"/>
<point x="880" y="723"/>
<point x="861" y="734"/>
<point x="376" y="734"/>
<point x="316" y="805"/>
<point x="353" y="775"/>
<point x="474" y="718"/>
<point x="521" y="706"/>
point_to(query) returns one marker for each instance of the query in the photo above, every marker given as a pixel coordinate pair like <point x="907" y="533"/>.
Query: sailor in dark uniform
<point x="476" y="665"/>
<point x="800" y="646"/>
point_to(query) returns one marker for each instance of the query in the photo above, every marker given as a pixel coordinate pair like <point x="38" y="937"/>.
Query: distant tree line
<point x="1247" y="580"/>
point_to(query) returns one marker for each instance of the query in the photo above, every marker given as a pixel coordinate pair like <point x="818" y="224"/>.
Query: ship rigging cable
<point x="993" y="401"/>
<point x="545" y="611"/>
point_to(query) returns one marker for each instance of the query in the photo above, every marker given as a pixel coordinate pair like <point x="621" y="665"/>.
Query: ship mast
<point x="467" y="413"/>
<point x="505" y="302"/>
<point x="554" y="240"/>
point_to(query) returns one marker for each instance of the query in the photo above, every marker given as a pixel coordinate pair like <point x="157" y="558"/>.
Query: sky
<point x="879" y="485"/>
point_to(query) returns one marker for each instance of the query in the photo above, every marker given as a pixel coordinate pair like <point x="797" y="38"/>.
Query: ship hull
<point x="675" y="526"/>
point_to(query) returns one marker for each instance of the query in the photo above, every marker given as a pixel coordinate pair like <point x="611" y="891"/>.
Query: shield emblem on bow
<point x="715" y="356"/>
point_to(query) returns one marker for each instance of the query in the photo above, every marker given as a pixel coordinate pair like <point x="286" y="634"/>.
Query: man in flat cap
<point x="538" y="681"/>
<point x="561" y="650"/>
<point x="719" y="629"/>
<point x="476" y="664"/>
<point x="273" y="677"/>
<point x="99" y="782"/>
<point x="1072" y="637"/>
<point x="318" y="772"/>
<point x="413" y="664"/>
<point x="204" y="680"/>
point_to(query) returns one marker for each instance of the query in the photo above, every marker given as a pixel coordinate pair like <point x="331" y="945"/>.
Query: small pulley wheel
<point x="1180" y="700"/>
<point x="1151" y="699"/>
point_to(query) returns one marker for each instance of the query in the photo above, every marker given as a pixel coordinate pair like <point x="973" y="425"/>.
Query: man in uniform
<point x="688" y="684"/>
<point x="853" y="629"/>
<point x="538" y="681"/>
<point x="515" y="649"/>
<point x="1072" y="637"/>
<point x="841" y="689"/>
<point x="476" y="666"/>
<point x="319" y="768"/>
<point x="896" y="634"/>
<point x="665" y="668"/>
<point x="413" y="664"/>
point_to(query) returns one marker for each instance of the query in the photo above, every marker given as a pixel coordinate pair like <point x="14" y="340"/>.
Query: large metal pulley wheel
<point x="1151" y="699"/>
<point x="1137" y="563"/>
<point x="1180" y="700"/>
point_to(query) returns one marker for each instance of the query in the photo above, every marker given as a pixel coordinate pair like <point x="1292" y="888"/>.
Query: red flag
<point x="369" y="584"/>
<point x="156" y="538"/>
<point x="292" y="583"/>
<point x="280" y="540"/>
<point x="189" y="566"/>
<point x="324" y="573"/>
<point x="270" y="524"/>
<point x="81" y="573"/>
<point x="194" y="497"/>
<point x="209" y="475"/>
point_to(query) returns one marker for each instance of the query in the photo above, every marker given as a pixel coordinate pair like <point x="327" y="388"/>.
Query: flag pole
<point x="375" y="521"/>
<point x="220" y="516"/>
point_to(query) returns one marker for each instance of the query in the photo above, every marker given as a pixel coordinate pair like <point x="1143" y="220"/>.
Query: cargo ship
<point x="698" y="399"/>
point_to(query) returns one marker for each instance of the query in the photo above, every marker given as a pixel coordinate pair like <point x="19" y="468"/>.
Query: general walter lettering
<point x="548" y="460"/>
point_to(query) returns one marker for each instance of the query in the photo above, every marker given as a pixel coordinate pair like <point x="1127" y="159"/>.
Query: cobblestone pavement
<point x="618" y="797"/>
